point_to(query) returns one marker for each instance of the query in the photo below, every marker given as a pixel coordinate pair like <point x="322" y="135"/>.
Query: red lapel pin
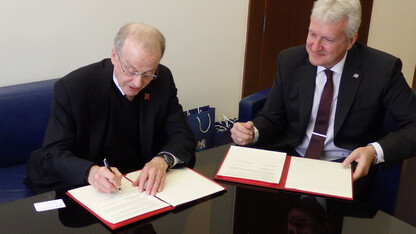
<point x="147" y="96"/>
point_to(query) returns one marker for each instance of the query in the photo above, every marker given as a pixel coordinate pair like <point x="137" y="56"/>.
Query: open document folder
<point x="277" y="170"/>
<point x="119" y="209"/>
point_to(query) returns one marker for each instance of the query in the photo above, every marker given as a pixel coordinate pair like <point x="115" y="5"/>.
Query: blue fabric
<point x="11" y="184"/>
<point x="250" y="105"/>
<point x="24" y="113"/>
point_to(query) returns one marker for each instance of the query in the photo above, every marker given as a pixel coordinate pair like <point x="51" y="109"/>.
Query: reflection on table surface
<point x="242" y="209"/>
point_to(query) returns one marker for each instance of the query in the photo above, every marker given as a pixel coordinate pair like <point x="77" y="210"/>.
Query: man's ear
<point x="352" y="40"/>
<point x="114" y="55"/>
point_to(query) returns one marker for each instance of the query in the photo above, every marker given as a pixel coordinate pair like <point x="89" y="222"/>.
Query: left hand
<point x="152" y="176"/>
<point x="364" y="156"/>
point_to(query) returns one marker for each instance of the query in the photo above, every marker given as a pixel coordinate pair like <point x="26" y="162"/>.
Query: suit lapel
<point x="350" y="81"/>
<point x="306" y="77"/>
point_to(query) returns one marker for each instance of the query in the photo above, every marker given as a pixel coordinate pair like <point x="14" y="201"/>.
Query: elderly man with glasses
<point x="125" y="110"/>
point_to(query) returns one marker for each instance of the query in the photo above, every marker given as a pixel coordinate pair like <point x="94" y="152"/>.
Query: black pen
<point x="109" y="168"/>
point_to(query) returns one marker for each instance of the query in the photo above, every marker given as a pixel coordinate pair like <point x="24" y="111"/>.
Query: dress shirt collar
<point x="116" y="83"/>
<point x="337" y="68"/>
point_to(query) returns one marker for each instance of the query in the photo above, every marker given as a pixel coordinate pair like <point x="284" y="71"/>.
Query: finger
<point x="159" y="181"/>
<point x="141" y="180"/>
<point x="245" y="128"/>
<point x="359" y="172"/>
<point x="162" y="183"/>
<point x="116" y="177"/>
<point x="102" y="184"/>
<point x="156" y="186"/>
<point x="348" y="160"/>
<point x="249" y="125"/>
<point x="150" y="184"/>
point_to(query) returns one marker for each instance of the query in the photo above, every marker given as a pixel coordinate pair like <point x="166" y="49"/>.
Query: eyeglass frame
<point x="137" y="74"/>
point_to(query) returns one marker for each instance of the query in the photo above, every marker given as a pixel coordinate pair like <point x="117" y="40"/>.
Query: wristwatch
<point x="168" y="158"/>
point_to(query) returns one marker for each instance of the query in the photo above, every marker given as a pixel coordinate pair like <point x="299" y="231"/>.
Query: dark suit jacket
<point x="79" y="114"/>
<point x="371" y="84"/>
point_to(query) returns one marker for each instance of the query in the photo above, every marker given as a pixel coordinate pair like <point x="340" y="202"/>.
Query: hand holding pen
<point x="109" y="168"/>
<point x="105" y="179"/>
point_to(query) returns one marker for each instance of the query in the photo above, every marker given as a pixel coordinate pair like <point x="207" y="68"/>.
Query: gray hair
<point x="146" y="34"/>
<point x="327" y="11"/>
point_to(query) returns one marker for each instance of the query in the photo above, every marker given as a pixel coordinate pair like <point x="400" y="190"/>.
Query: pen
<point x="109" y="168"/>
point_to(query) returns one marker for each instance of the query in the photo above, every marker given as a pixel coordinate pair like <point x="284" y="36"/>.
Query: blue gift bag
<point x="222" y="130"/>
<point x="202" y="123"/>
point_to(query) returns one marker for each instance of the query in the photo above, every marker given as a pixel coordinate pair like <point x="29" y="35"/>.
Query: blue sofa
<point x="24" y="112"/>
<point x="383" y="192"/>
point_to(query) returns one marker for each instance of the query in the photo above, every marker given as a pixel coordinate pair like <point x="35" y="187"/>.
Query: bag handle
<point x="200" y="124"/>
<point x="226" y="120"/>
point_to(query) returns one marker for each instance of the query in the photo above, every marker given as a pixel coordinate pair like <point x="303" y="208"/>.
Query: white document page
<point x="183" y="185"/>
<point x="253" y="164"/>
<point x="319" y="176"/>
<point x="118" y="206"/>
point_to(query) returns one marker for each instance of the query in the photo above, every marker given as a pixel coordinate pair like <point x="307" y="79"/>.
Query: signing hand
<point x="364" y="156"/>
<point x="152" y="176"/>
<point x="243" y="133"/>
<point x="104" y="180"/>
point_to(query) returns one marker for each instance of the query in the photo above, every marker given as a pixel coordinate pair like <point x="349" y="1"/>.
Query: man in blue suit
<point x="124" y="109"/>
<point x="366" y="84"/>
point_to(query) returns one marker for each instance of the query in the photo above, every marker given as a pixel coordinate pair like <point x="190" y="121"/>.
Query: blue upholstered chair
<point x="24" y="113"/>
<point x="383" y="192"/>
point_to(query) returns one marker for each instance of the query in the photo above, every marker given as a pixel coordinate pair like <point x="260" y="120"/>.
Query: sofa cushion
<point x="11" y="184"/>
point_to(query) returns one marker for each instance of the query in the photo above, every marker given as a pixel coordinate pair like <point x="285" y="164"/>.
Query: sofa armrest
<point x="250" y="105"/>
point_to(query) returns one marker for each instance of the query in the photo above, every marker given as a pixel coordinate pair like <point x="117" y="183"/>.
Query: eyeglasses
<point x="145" y="76"/>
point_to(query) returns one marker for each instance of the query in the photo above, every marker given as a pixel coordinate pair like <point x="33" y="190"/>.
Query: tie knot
<point x="328" y="74"/>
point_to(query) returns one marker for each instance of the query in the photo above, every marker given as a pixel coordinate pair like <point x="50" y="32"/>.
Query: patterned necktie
<point x="316" y="144"/>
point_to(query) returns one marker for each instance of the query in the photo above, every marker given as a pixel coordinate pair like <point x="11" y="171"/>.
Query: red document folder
<point x="119" y="209"/>
<point x="125" y="222"/>
<point x="249" y="166"/>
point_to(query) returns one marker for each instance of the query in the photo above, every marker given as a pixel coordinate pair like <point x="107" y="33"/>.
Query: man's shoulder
<point x="372" y="54"/>
<point x="89" y="72"/>
<point x="295" y="52"/>
<point x="87" y="76"/>
<point x="293" y="56"/>
<point x="86" y="80"/>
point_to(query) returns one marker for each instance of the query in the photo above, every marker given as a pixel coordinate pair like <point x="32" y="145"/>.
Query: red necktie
<point x="316" y="144"/>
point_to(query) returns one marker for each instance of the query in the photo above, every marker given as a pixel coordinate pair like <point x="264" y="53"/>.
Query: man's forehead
<point x="329" y="27"/>
<point x="132" y="47"/>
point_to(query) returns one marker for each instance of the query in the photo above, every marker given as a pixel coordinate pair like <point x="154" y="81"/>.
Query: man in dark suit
<point x="366" y="84"/>
<point x="124" y="109"/>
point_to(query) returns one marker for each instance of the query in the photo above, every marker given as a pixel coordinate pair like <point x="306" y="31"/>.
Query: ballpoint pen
<point x="109" y="168"/>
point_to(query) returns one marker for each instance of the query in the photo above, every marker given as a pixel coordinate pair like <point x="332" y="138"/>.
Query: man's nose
<point x="138" y="81"/>
<point x="317" y="44"/>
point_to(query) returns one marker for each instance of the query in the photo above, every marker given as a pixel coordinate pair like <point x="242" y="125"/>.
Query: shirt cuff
<point x="256" y="136"/>
<point x="379" y="152"/>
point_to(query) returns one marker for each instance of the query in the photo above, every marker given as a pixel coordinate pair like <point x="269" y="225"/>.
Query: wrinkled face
<point x="327" y="43"/>
<point x="135" y="66"/>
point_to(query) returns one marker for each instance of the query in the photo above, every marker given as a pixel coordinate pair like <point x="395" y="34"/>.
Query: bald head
<point x="147" y="36"/>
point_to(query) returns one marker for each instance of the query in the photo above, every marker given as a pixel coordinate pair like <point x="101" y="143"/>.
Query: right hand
<point x="243" y="133"/>
<point x="104" y="180"/>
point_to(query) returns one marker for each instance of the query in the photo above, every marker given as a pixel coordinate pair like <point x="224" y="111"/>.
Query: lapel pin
<point x="147" y="96"/>
<point x="356" y="75"/>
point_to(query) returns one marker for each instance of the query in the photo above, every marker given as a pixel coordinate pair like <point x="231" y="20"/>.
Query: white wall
<point x="46" y="39"/>
<point x="393" y="29"/>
